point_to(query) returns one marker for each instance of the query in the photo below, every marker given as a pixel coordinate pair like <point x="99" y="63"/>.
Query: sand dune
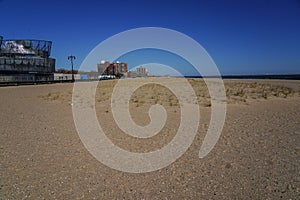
<point x="236" y="92"/>
<point x="256" y="157"/>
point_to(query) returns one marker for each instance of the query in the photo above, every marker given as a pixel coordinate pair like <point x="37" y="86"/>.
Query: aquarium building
<point x="26" y="60"/>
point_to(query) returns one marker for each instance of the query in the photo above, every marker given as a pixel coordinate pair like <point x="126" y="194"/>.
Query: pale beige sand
<point x="257" y="156"/>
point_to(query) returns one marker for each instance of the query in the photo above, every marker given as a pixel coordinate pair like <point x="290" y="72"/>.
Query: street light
<point x="72" y="58"/>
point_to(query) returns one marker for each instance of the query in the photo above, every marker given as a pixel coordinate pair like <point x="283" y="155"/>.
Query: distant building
<point x="139" y="72"/>
<point x="132" y="74"/>
<point x="26" y="61"/>
<point x="65" y="77"/>
<point x="114" y="68"/>
<point x="142" y="71"/>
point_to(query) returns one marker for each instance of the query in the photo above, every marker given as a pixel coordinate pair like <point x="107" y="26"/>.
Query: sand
<point x="256" y="157"/>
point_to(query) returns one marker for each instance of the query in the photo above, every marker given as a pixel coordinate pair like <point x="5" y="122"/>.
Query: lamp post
<point x="72" y="58"/>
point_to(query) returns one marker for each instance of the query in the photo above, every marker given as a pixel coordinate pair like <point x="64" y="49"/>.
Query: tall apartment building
<point x="139" y="72"/>
<point x="142" y="71"/>
<point x="114" y="68"/>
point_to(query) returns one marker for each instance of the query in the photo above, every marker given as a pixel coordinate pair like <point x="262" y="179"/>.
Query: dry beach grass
<point x="236" y="92"/>
<point x="256" y="157"/>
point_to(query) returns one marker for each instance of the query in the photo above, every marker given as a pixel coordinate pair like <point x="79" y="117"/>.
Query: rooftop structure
<point x="114" y="68"/>
<point x="26" y="61"/>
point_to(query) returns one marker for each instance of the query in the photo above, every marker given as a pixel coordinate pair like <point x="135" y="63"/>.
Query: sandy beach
<point x="256" y="157"/>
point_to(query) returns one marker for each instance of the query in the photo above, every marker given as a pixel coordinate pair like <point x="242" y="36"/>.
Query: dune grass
<point x="149" y="94"/>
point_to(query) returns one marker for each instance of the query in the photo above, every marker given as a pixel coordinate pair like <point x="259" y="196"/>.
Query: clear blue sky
<point x="242" y="36"/>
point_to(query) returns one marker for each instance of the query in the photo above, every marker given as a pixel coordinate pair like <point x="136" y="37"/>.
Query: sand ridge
<point x="236" y="92"/>
<point x="256" y="157"/>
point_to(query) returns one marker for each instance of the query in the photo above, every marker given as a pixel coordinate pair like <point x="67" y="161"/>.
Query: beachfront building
<point x="66" y="77"/>
<point x="132" y="74"/>
<point x="139" y="72"/>
<point x="26" y="61"/>
<point x="142" y="71"/>
<point x="115" y="68"/>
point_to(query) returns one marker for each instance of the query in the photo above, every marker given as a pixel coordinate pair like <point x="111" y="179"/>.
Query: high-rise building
<point x="139" y="72"/>
<point x="142" y="71"/>
<point x="114" y="68"/>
